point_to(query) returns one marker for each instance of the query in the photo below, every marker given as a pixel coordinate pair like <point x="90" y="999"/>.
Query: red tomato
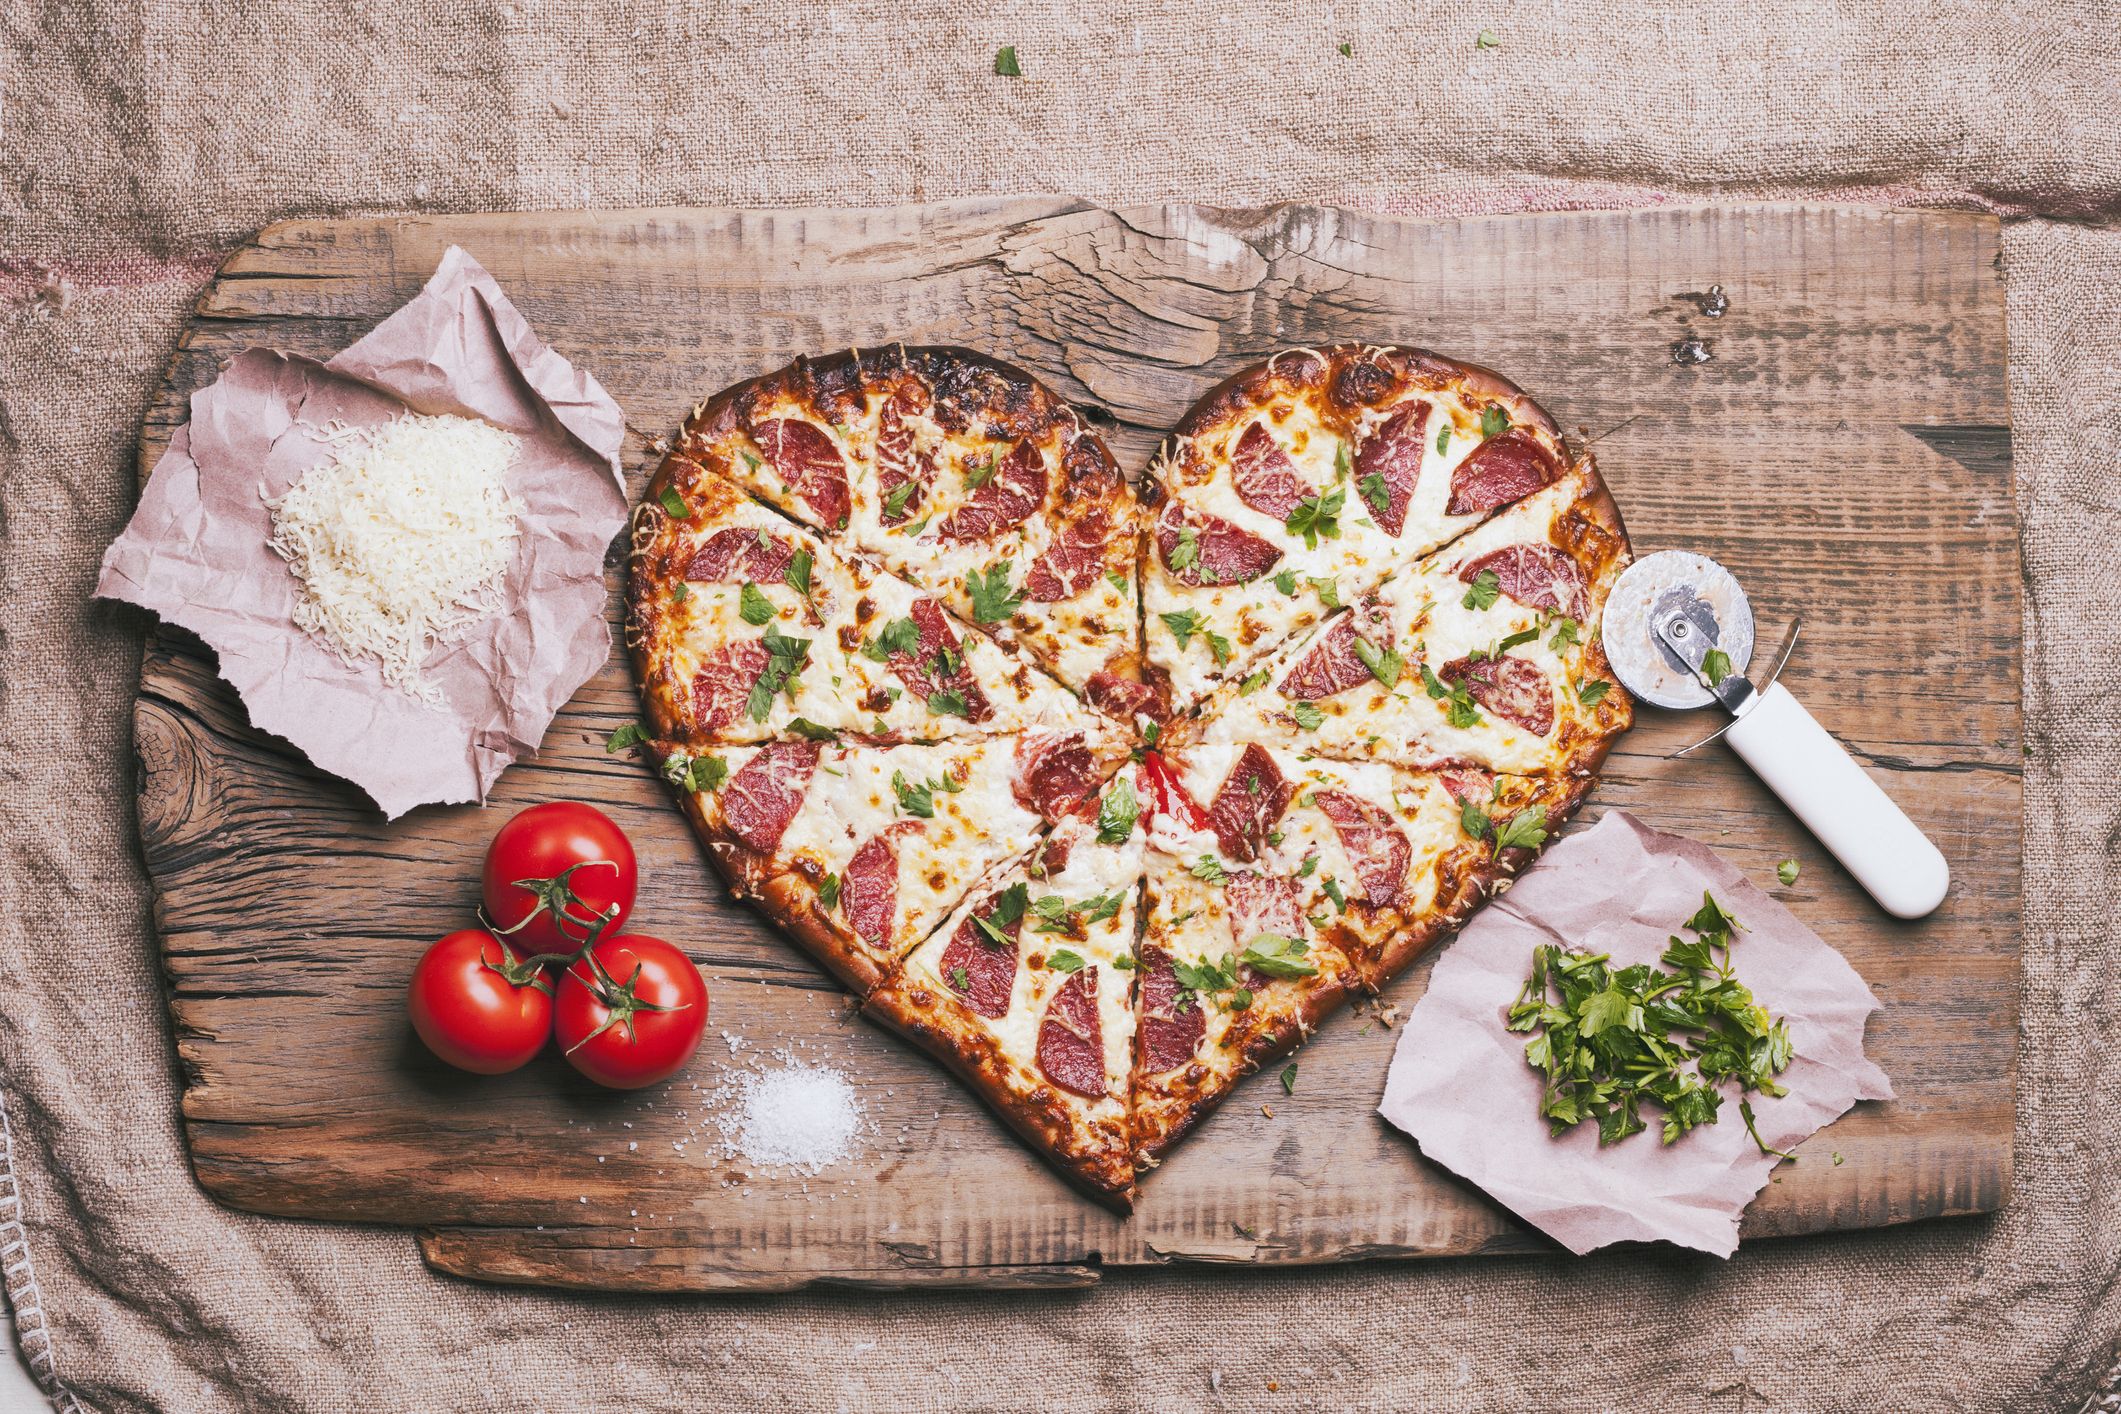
<point x="578" y="846"/>
<point x="631" y="1013"/>
<point x="1168" y="794"/>
<point x="468" y="1013"/>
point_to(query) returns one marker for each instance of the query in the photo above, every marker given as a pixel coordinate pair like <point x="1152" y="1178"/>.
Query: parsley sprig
<point x="1617" y="1039"/>
<point x="785" y="660"/>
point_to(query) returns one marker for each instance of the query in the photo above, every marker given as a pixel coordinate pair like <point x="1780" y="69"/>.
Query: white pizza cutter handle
<point x="1852" y="816"/>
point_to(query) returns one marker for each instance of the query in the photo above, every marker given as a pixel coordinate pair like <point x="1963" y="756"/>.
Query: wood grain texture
<point x="1846" y="452"/>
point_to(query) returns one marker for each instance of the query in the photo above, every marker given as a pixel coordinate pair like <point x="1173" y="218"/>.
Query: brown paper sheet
<point x="195" y="551"/>
<point x="1460" y="1085"/>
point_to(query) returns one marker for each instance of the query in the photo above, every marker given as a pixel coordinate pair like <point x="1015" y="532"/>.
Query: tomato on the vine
<point x="631" y="1012"/>
<point x="470" y="1012"/>
<point x="563" y="860"/>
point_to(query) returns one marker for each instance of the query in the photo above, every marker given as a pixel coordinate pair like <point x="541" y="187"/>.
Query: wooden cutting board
<point x="1845" y="451"/>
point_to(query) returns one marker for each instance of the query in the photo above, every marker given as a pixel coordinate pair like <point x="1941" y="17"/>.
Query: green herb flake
<point x="1317" y="518"/>
<point x="706" y="774"/>
<point x="1288" y="1078"/>
<point x="1183" y="623"/>
<point x="1494" y="421"/>
<point x="1332" y="889"/>
<point x="978" y="476"/>
<point x="1307" y="715"/>
<point x="1483" y="591"/>
<point x="1590" y="693"/>
<point x="948" y="702"/>
<point x="1527" y="829"/>
<point x="828" y="891"/>
<point x="680" y="592"/>
<point x="1252" y="684"/>
<point x="674" y="504"/>
<point x="785" y="660"/>
<point x="753" y="606"/>
<point x="798" y="572"/>
<point x="632" y="734"/>
<point x="1065" y="960"/>
<point x="1117" y="813"/>
<point x="812" y="731"/>
<point x="895" y="501"/>
<point x="1186" y="553"/>
<point x="1120" y="582"/>
<point x="1486" y="39"/>
<point x="1384" y="664"/>
<point x="992" y="598"/>
<point x="915" y="799"/>
<point x="1285" y="581"/>
<point x="1787" y="871"/>
<point x="1443" y="438"/>
<point x="1273" y="955"/>
<point x="1328" y="592"/>
<point x="1005" y="63"/>
<point x="1618" y="1040"/>
<point x="1123" y="963"/>
<point x="960" y="979"/>
<point x="1375" y="493"/>
<point x="1716" y="666"/>
<point x="1209" y="869"/>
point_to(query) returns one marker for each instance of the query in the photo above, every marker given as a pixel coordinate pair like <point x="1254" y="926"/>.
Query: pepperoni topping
<point x="899" y="462"/>
<point x="1126" y="699"/>
<point x="1536" y="576"/>
<point x="1071" y="1043"/>
<point x="1263" y="476"/>
<point x="1252" y="799"/>
<point x="1393" y="454"/>
<point x="1015" y="490"/>
<point x="1054" y="773"/>
<point x="1262" y="903"/>
<point x="1223" y="552"/>
<point x="1073" y="562"/>
<point x="810" y="463"/>
<point x="1506" y="468"/>
<point x="759" y="800"/>
<point x="734" y="555"/>
<point x="923" y="670"/>
<point x="1377" y="848"/>
<point x="869" y="892"/>
<point x="979" y="969"/>
<point x="721" y="689"/>
<point x="1333" y="665"/>
<point x="1467" y="783"/>
<point x="1172" y="1023"/>
<point x="1512" y="688"/>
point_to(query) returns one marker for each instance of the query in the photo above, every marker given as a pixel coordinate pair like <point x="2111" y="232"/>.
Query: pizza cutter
<point x="1663" y="619"/>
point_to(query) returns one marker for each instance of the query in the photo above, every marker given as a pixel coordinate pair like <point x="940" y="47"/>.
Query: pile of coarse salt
<point x="795" y="1116"/>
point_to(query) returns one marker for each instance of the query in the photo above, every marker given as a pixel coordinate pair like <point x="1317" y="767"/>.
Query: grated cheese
<point x="400" y="541"/>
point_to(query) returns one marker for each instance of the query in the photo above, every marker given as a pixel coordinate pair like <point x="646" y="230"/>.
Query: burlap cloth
<point x="138" y="143"/>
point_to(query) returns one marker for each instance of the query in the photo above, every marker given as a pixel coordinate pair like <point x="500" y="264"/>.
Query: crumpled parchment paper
<point x="1460" y="1085"/>
<point x="195" y="551"/>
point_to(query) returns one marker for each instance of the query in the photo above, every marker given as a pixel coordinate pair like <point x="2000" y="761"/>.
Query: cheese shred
<point x="401" y="541"/>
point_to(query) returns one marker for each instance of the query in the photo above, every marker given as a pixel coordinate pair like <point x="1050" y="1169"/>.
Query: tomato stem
<point x="618" y="1000"/>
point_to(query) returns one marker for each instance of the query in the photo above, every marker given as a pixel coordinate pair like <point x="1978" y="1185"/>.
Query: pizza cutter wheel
<point x="1665" y="617"/>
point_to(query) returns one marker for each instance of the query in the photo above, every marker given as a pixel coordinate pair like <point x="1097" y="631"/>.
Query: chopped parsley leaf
<point x="828" y="891"/>
<point x="1483" y="591"/>
<point x="1385" y="665"/>
<point x="1117" y="813"/>
<point x="1064" y="960"/>
<point x="754" y="607"/>
<point x="1375" y="493"/>
<point x="1307" y="715"/>
<point x="1317" y="518"/>
<point x="1210" y="870"/>
<point x="948" y="702"/>
<point x="632" y="734"/>
<point x="1286" y="582"/>
<point x="1005" y="63"/>
<point x="992" y="598"/>
<point x="674" y="504"/>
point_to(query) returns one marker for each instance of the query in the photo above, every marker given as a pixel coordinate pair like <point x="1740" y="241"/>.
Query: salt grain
<point x="798" y="1116"/>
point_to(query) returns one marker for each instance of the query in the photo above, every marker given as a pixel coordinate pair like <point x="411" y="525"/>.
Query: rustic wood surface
<point x="1845" y="451"/>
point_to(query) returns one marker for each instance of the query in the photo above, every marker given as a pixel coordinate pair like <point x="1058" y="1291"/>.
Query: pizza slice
<point x="1303" y="483"/>
<point x="964" y="474"/>
<point x="745" y="627"/>
<point x="858" y="851"/>
<point x="1487" y="655"/>
<point x="1026" y="992"/>
<point x="1232" y="972"/>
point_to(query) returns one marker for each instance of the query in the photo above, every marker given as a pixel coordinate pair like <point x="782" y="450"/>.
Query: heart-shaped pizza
<point x="1106" y="792"/>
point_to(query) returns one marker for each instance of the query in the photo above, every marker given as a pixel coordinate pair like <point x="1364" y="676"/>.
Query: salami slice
<point x="1507" y="467"/>
<point x="938" y="663"/>
<point x="1263" y="476"/>
<point x="1055" y="773"/>
<point x="1393" y="454"/>
<point x="1377" y="848"/>
<point x="869" y="890"/>
<point x="721" y="688"/>
<point x="1250" y="801"/>
<point x="1008" y="498"/>
<point x="1262" y="903"/>
<point x="899" y="462"/>
<point x="1536" y="576"/>
<point x="737" y="554"/>
<point x="1073" y="562"/>
<point x="808" y="461"/>
<point x="1126" y="699"/>
<point x="1222" y="551"/>
<point x="759" y="800"/>
<point x="1332" y="665"/>
<point x="1071" y="1042"/>
<point x="1512" y="688"/>
<point x="979" y="969"/>
<point x="1172" y="1023"/>
<point x="1465" y="783"/>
